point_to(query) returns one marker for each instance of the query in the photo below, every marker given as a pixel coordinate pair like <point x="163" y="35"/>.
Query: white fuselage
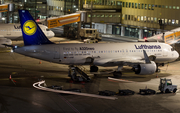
<point x="102" y="53"/>
<point x="13" y="31"/>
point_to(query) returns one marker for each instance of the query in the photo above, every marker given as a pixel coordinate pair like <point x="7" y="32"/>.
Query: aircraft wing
<point x="126" y="60"/>
<point x="121" y="61"/>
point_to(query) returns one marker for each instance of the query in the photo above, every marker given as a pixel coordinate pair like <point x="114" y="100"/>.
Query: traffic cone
<point x="156" y="75"/>
<point x="40" y="62"/>
<point x="10" y="77"/>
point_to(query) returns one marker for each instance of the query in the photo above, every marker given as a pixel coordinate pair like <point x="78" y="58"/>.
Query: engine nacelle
<point x="145" y="69"/>
<point x="5" y="41"/>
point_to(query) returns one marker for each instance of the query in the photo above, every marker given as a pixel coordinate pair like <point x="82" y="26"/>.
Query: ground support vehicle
<point x="166" y="86"/>
<point x="89" y="35"/>
<point x="107" y="93"/>
<point x="147" y="91"/>
<point x="126" y="92"/>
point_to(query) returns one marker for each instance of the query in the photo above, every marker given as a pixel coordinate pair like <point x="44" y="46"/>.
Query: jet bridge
<point x="66" y="19"/>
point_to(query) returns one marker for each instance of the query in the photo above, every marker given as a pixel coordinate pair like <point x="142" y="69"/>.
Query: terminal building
<point x="132" y="18"/>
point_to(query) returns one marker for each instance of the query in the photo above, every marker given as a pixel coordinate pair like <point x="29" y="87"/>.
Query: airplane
<point x="10" y="32"/>
<point x="142" y="57"/>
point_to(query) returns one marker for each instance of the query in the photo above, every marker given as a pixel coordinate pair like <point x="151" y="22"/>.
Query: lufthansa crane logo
<point x="29" y="27"/>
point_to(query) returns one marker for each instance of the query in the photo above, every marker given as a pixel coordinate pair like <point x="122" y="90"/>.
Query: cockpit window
<point x="172" y="49"/>
<point x="47" y="29"/>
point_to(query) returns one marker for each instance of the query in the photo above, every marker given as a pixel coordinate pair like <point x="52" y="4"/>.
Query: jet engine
<point x="5" y="41"/>
<point x="145" y="69"/>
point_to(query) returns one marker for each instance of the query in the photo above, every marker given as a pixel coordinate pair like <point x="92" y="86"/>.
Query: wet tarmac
<point x="17" y="95"/>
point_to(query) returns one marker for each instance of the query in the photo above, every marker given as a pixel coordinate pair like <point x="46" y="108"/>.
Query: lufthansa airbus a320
<point x="142" y="57"/>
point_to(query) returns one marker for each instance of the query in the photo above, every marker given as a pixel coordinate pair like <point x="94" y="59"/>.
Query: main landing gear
<point x="93" y="68"/>
<point x="118" y="74"/>
<point x="157" y="65"/>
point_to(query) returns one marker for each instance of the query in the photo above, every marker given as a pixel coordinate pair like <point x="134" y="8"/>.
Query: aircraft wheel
<point x="174" y="91"/>
<point x="167" y="91"/>
<point x="93" y="69"/>
<point x="117" y="74"/>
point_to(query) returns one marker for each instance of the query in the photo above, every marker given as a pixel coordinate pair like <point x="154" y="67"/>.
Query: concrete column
<point x="105" y="28"/>
<point x="122" y="30"/>
<point x="140" y="33"/>
<point x="79" y="27"/>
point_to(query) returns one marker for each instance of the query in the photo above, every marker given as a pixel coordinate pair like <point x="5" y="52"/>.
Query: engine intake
<point x="145" y="69"/>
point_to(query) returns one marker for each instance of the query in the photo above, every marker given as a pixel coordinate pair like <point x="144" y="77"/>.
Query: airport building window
<point x="165" y="21"/>
<point x="163" y="6"/>
<point x="129" y="4"/>
<point x="114" y="15"/>
<point x="145" y="6"/>
<point x="94" y="16"/>
<point x="135" y="5"/>
<point x="166" y="6"/>
<point x="173" y="21"/>
<point x="159" y="6"/>
<point x="158" y="20"/>
<point x="131" y="32"/>
<point x="155" y="5"/>
<point x="170" y="7"/>
<point x="142" y="6"/>
<point x="116" y="30"/>
<point x="102" y="15"/>
<point x="169" y="22"/>
<point x="132" y="17"/>
<point x="174" y="7"/>
<point x="135" y="18"/>
<point x="144" y="18"/>
<point x="106" y="15"/>
<point x="149" y="6"/>
<point x="139" y="6"/>
<point x="128" y="17"/>
<point x="177" y="22"/>
<point x="155" y="20"/>
<point x="126" y="4"/>
<point x="89" y="15"/>
<point x="123" y="4"/>
<point x="118" y="3"/>
<point x="125" y="17"/>
<point x="162" y="21"/>
<point x="141" y="18"/>
<point x="98" y="15"/>
<point x="177" y="7"/>
<point x="110" y="15"/>
<point x="151" y="19"/>
<point x="152" y="7"/>
<point x="138" y="18"/>
<point x="132" y="5"/>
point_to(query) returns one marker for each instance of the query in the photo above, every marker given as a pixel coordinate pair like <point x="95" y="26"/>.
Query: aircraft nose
<point x="52" y="34"/>
<point x="176" y="54"/>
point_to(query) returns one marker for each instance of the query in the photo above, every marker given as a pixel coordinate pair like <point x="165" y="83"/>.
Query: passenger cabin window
<point x="47" y="29"/>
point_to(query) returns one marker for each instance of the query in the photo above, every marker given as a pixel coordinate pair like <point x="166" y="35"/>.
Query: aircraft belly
<point x="164" y="60"/>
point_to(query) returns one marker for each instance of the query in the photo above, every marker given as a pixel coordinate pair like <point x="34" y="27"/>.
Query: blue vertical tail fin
<point x="32" y="34"/>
